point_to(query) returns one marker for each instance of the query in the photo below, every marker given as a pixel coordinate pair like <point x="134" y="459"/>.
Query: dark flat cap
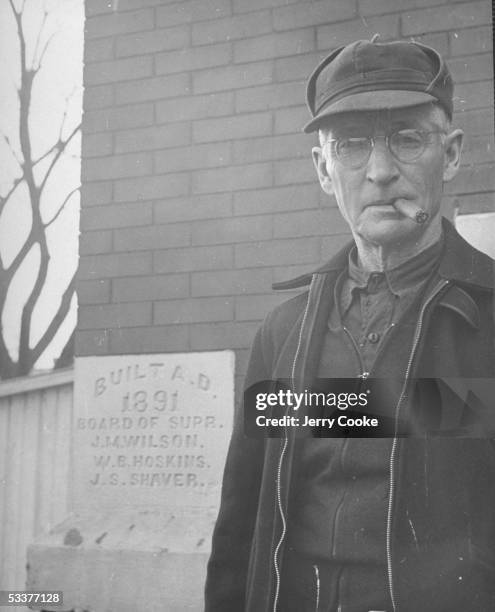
<point x="368" y="75"/>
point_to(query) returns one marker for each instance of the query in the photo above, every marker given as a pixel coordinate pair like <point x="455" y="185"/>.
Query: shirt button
<point x="373" y="337"/>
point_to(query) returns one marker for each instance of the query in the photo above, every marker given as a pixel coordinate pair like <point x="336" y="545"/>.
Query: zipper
<point x="279" y="469"/>
<point x="393" y="452"/>
<point x="317" y="578"/>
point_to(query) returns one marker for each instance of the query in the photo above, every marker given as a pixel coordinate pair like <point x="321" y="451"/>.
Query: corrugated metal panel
<point x="35" y="418"/>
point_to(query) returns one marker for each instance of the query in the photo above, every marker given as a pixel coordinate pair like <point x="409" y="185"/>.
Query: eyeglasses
<point x="405" y="145"/>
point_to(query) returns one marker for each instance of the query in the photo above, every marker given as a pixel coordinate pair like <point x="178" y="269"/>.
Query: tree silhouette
<point x="34" y="171"/>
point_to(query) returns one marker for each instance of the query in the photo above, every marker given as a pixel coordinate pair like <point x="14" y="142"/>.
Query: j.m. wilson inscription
<point x="151" y="430"/>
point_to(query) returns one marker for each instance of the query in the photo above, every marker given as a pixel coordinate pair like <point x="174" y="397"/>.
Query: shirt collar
<point x="400" y="278"/>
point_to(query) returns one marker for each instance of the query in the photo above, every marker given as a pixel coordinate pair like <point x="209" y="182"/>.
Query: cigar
<point x="411" y="211"/>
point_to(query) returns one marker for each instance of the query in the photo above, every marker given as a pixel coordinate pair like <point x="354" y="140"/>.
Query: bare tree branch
<point x="62" y="145"/>
<point x="54" y="218"/>
<point x="57" y="320"/>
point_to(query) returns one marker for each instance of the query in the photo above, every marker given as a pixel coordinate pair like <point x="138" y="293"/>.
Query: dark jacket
<point x="444" y="486"/>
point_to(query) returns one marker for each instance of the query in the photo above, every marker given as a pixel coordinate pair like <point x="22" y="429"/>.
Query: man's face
<point x="366" y="195"/>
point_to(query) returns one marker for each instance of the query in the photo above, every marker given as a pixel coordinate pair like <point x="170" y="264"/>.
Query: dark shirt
<point x="339" y="506"/>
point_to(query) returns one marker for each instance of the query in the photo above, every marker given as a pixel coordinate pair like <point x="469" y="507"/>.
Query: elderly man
<point x="354" y="524"/>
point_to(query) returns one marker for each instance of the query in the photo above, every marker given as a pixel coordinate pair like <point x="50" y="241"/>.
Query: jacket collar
<point x="459" y="263"/>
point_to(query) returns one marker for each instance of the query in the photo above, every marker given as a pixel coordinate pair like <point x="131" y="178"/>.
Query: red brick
<point x="126" y="5"/>
<point x="274" y="96"/>
<point x="192" y="259"/>
<point x="334" y="35"/>
<point x="232" y="178"/>
<point x="446" y="18"/>
<point x="239" y="229"/>
<point x="272" y="147"/>
<point x="437" y="40"/>
<point x="119" y="23"/>
<point x="256" y="307"/>
<point x="470" y="96"/>
<point x="91" y="243"/>
<point x="95" y="194"/>
<point x="113" y="315"/>
<point x="473" y="179"/>
<point x="148" y="288"/>
<point x="151" y="188"/>
<point x="312" y="13"/>
<point x="112" y="216"/>
<point x="475" y="122"/>
<point x="278" y="199"/>
<point x="156" y="88"/>
<point x="193" y="58"/>
<point x="150" y="138"/>
<point x="195" y="310"/>
<point x="284" y="273"/>
<point x="319" y="222"/>
<point x="193" y="207"/>
<point x="99" y="144"/>
<point x="471" y="40"/>
<point x="137" y="115"/>
<point x="291" y="120"/>
<point x="195" y="107"/>
<point x="118" y="70"/>
<point x="231" y="28"/>
<point x="232" y="77"/>
<point x="230" y="282"/>
<point x="478" y="203"/>
<point x="152" y="42"/>
<point x="93" y="292"/>
<point x="296" y="68"/>
<point x="478" y="149"/>
<point x="152" y="237"/>
<point x="332" y="244"/>
<point x="98" y="50"/>
<point x="277" y="252"/>
<point x="221" y="335"/>
<point x="274" y="45"/>
<point x="473" y="68"/>
<point x="232" y="128"/>
<point x="111" y="266"/>
<point x="117" y="166"/>
<point x="379" y="7"/>
<point x="190" y="11"/>
<point x="99" y="96"/>
<point x="241" y="6"/>
<point x="171" y="338"/>
<point x="96" y="7"/>
<point x="193" y="157"/>
<point x="91" y="343"/>
<point x="293" y="171"/>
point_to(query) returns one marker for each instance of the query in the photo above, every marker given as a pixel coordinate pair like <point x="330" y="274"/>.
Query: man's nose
<point x="382" y="166"/>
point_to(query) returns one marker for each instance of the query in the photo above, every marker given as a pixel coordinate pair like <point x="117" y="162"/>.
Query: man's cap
<point x="368" y="75"/>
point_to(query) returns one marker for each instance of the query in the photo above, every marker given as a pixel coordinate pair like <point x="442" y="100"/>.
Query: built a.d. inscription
<point x="151" y="430"/>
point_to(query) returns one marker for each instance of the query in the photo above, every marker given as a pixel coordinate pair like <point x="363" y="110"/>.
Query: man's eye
<point x="408" y="138"/>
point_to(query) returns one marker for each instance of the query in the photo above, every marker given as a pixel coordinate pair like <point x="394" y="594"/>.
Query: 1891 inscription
<point x="152" y="429"/>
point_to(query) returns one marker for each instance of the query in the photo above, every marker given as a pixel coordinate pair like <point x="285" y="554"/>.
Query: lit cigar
<point x="411" y="211"/>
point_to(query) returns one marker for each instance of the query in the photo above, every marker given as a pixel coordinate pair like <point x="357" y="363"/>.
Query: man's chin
<point x="386" y="232"/>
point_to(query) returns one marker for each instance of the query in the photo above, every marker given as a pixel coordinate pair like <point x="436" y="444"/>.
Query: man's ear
<point x="453" y="148"/>
<point x="321" y="170"/>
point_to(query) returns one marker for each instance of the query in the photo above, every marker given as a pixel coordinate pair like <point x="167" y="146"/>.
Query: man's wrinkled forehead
<point x="424" y="116"/>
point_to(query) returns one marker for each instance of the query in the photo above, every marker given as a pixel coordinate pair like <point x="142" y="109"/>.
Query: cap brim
<point x="370" y="101"/>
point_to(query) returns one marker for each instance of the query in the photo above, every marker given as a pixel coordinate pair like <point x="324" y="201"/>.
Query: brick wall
<point x="198" y="188"/>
